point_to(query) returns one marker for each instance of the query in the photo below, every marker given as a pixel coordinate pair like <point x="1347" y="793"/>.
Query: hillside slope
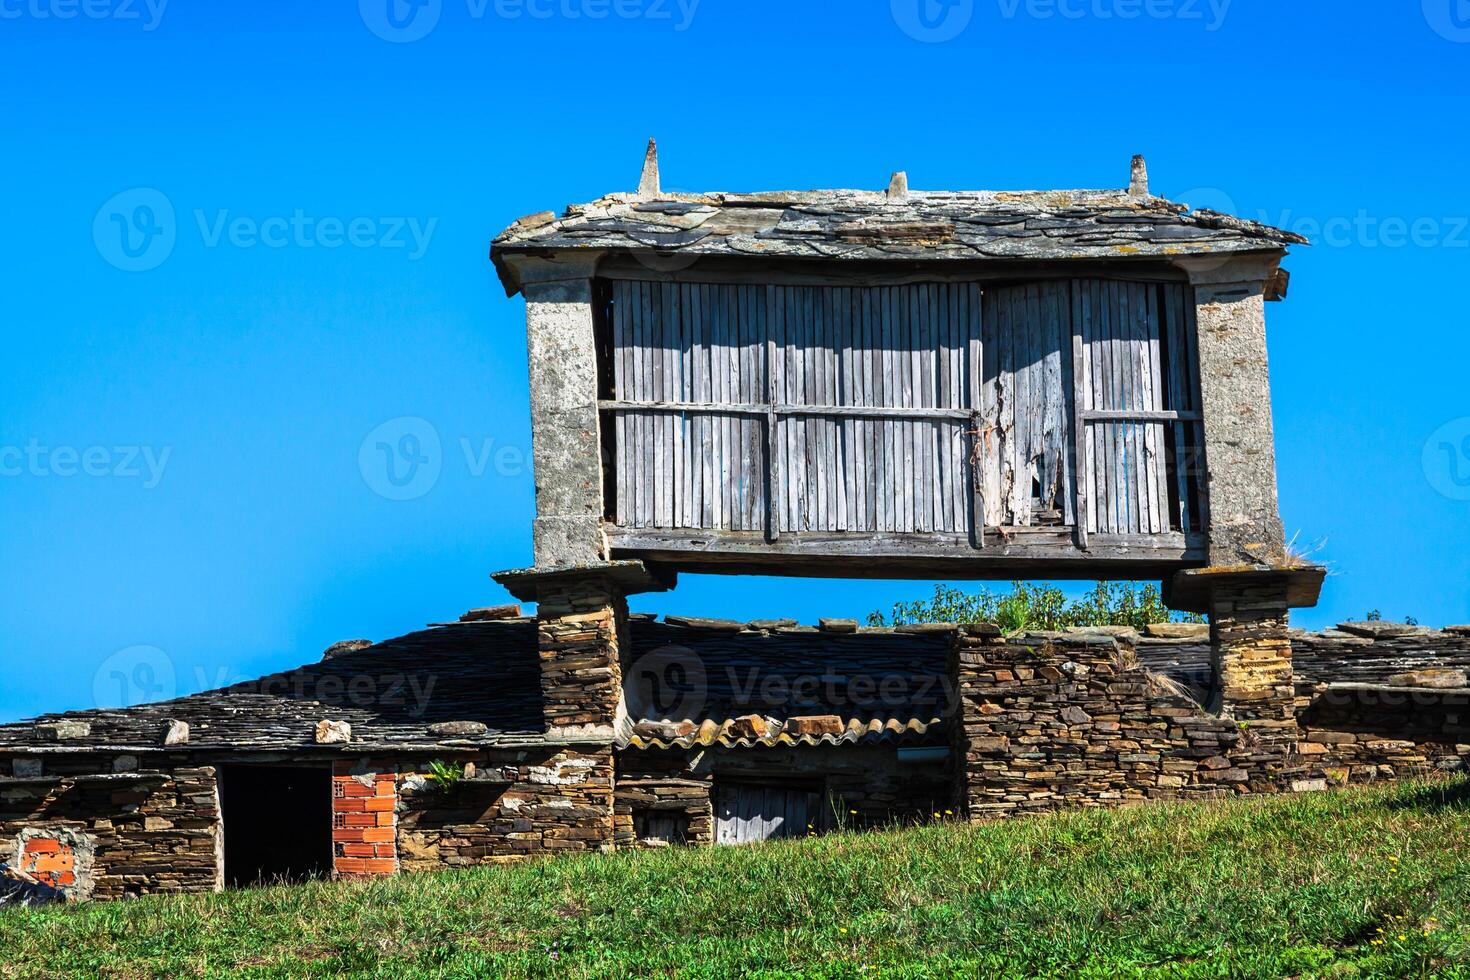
<point x="1359" y="883"/>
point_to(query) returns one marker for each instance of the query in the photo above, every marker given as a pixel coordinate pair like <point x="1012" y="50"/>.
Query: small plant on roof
<point x="445" y="776"/>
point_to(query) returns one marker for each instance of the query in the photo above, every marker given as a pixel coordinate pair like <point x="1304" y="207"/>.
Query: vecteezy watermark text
<point x="145" y="463"/>
<point x="936" y="21"/>
<point x="147" y="13"/>
<point x="1210" y="13"/>
<point x="138" y="229"/>
<point x="405" y="21"/>
<point x="146" y="674"/>
<point x="1361" y="229"/>
<point x="301" y="230"/>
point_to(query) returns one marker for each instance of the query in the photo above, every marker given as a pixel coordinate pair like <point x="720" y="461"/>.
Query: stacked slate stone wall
<point x="113" y="835"/>
<point x="1046" y="723"/>
<point x="511" y="805"/>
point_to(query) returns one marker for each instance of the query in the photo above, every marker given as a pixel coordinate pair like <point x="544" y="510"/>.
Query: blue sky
<point x="181" y="501"/>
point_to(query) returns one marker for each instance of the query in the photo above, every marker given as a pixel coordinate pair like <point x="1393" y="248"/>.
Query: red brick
<point x="344" y="805"/>
<point x="360" y="850"/>
<point x="360" y="820"/>
<point x="351" y="787"/>
<point x="379" y="804"/>
<point x="386" y="819"/>
<point x="380" y="866"/>
<point x="351" y="866"/>
<point x="42" y="846"/>
<point x="377" y="835"/>
<point x="349" y="836"/>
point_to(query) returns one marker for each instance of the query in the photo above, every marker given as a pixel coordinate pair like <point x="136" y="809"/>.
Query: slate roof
<point x="867" y="225"/>
<point x="489" y="672"/>
<point x="690" y="683"/>
<point x="390" y="693"/>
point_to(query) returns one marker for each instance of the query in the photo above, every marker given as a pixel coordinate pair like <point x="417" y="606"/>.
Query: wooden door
<point x="745" y="813"/>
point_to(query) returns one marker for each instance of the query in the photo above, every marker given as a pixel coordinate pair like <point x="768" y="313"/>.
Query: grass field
<point x="1366" y="883"/>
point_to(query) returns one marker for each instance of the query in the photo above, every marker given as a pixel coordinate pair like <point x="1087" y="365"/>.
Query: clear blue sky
<point x="247" y="374"/>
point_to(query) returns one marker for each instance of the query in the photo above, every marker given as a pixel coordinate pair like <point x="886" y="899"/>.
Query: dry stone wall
<point x="513" y="804"/>
<point x="113" y="835"/>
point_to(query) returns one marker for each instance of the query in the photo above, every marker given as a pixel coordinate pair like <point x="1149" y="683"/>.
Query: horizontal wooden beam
<point x="1134" y="415"/>
<point x="1052" y="550"/>
<point x="782" y="409"/>
<point x="809" y="272"/>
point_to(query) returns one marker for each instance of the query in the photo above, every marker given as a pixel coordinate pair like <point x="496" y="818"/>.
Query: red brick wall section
<point x="51" y="862"/>
<point x="364" y="819"/>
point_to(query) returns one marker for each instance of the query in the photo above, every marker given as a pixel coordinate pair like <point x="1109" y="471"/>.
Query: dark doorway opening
<point x="277" y="823"/>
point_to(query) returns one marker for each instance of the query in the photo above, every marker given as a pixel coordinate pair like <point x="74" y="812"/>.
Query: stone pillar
<point x="1251" y="654"/>
<point x="1240" y="455"/>
<point x="581" y="623"/>
<point x="565" y="425"/>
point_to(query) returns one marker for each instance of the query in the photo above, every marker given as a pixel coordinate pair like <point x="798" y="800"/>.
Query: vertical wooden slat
<point x="1109" y="460"/>
<point x="773" y="468"/>
<point x="1082" y="400"/>
<point x="1173" y="318"/>
<point x="1157" y="443"/>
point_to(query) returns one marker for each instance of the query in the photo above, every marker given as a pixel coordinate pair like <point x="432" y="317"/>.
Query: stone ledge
<point x="628" y="577"/>
<point x="1191" y="589"/>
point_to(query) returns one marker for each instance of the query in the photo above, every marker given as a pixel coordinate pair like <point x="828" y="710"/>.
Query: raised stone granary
<point x="845" y="383"/>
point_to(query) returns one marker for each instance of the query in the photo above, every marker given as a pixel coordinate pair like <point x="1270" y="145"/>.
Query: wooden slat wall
<point x="690" y="342"/>
<point x="809" y="370"/>
<point x="1135" y="342"/>
<point x="878" y="347"/>
<point x="1029" y="330"/>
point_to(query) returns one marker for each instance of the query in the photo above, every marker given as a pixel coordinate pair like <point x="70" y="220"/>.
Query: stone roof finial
<point x="898" y="186"/>
<point x="648" y="182"/>
<point x="1138" y="178"/>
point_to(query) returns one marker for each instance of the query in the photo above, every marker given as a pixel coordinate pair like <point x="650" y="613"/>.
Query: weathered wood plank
<point x="1082" y="398"/>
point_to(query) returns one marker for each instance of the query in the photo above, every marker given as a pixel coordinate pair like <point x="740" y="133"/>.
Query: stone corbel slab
<point x="1190" y="590"/>
<point x="627" y="577"/>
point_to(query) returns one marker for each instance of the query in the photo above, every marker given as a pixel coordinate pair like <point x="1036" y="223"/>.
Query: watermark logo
<point x="136" y="230"/>
<point x="402" y="458"/>
<point x="1450" y="19"/>
<point x="1447" y="459"/>
<point x="135" y="675"/>
<point x="34" y="459"/>
<point x="149" y="13"/>
<point x="932" y="21"/>
<point x="400" y="21"/>
<point x="668" y="683"/>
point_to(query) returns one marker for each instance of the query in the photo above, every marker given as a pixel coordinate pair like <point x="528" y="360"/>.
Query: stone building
<point x="1064" y="384"/>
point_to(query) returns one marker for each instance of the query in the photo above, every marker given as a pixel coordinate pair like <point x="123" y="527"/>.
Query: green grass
<point x="1361" y="883"/>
